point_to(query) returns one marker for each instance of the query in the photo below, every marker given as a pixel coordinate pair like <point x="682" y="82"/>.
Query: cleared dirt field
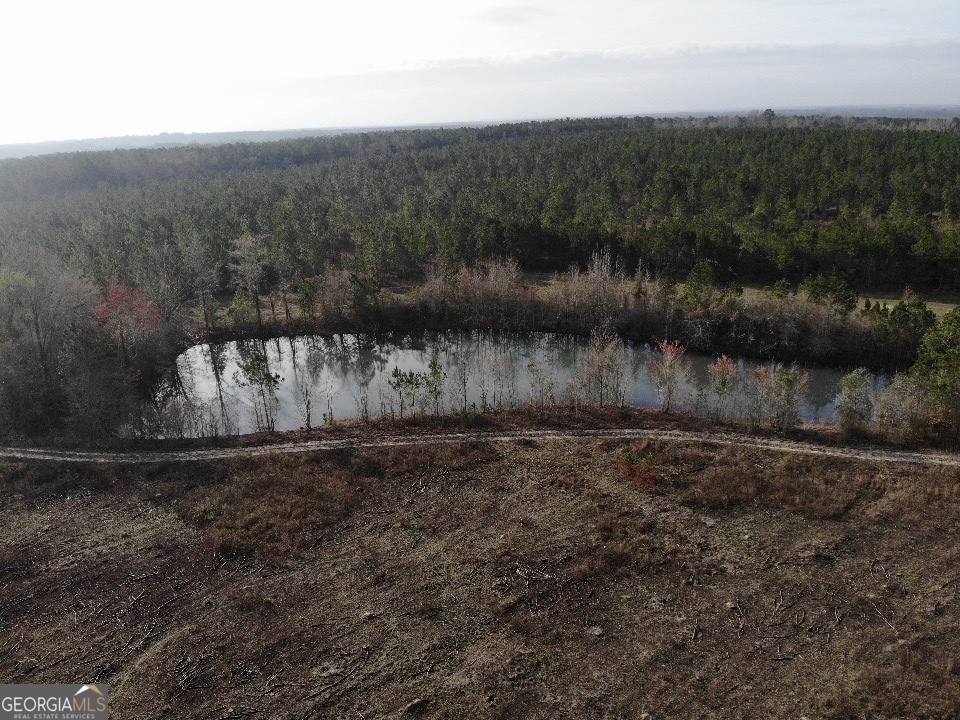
<point x="551" y="578"/>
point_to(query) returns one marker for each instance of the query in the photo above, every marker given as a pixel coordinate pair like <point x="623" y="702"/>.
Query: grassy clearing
<point x="584" y="578"/>
<point x="940" y="304"/>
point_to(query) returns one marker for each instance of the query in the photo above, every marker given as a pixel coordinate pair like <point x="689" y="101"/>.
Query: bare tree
<point x="332" y="290"/>
<point x="760" y="394"/>
<point x="202" y="274"/>
<point x="503" y="375"/>
<point x="304" y="393"/>
<point x="668" y="369"/>
<point x="459" y="385"/>
<point x="603" y="367"/>
<point x="592" y="298"/>
<point x="492" y="291"/>
<point x="40" y="298"/>
<point x="543" y="381"/>
<point x="361" y="397"/>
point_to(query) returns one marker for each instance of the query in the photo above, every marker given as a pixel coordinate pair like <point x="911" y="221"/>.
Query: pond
<point x="280" y="384"/>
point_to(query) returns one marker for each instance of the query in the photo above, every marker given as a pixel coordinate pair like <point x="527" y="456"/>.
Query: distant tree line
<point x="881" y="208"/>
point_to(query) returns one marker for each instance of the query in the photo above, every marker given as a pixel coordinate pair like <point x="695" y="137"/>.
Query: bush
<point x="831" y="290"/>
<point x="900" y="409"/>
<point x="593" y="297"/>
<point x="722" y="374"/>
<point x="775" y="395"/>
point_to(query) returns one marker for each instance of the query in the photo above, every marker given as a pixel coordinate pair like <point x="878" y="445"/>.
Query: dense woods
<point x="878" y="206"/>
<point x="111" y="259"/>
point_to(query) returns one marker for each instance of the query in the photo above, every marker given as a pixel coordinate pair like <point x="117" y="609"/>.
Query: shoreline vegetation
<point x="114" y="262"/>
<point x="780" y="326"/>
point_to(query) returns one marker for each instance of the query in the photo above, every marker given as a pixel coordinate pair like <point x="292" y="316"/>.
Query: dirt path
<point x="680" y="436"/>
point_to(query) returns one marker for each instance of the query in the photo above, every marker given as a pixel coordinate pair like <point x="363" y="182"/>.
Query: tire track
<point x="679" y="436"/>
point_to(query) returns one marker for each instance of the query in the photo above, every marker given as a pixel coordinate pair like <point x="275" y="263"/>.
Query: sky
<point x="102" y="68"/>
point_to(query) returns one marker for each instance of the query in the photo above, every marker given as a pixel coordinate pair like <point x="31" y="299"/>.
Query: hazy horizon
<point x="110" y="69"/>
<point x="919" y="111"/>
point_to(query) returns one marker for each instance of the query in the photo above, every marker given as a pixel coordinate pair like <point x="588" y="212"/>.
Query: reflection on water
<point x="289" y="383"/>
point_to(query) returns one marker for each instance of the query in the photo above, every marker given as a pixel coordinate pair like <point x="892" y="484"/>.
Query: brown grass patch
<point x="273" y="506"/>
<point x="638" y="466"/>
<point x="899" y="682"/>
<point x="281" y="504"/>
<point x="729" y="481"/>
<point x="9" y="559"/>
<point x="407" y="460"/>
<point x="41" y="480"/>
<point x="618" y="545"/>
<point x="823" y="488"/>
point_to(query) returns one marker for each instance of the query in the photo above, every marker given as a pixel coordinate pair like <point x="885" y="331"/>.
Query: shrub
<point x="492" y="293"/>
<point x="638" y="467"/>
<point x="722" y="374"/>
<point x="788" y="387"/>
<point x="831" y="290"/>
<point x="593" y="297"/>
<point x="900" y="409"/>
<point x="775" y="394"/>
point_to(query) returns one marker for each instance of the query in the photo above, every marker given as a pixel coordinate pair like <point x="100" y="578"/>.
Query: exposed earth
<point x="552" y="575"/>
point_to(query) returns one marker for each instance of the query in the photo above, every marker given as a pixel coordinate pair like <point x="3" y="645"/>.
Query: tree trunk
<point x="207" y="320"/>
<point x="41" y="350"/>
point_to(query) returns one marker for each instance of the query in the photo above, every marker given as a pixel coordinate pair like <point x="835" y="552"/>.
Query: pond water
<point x="241" y="387"/>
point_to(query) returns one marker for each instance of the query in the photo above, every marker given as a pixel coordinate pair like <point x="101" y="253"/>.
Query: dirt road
<point x="679" y="436"/>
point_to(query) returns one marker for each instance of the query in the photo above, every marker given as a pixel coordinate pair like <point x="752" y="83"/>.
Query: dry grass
<point x="581" y="579"/>
<point x="10" y="559"/>
<point x="940" y="304"/>
<point x="279" y="506"/>
<point x="272" y="507"/>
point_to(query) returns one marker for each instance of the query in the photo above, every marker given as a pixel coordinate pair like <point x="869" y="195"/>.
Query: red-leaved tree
<point x="126" y="314"/>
